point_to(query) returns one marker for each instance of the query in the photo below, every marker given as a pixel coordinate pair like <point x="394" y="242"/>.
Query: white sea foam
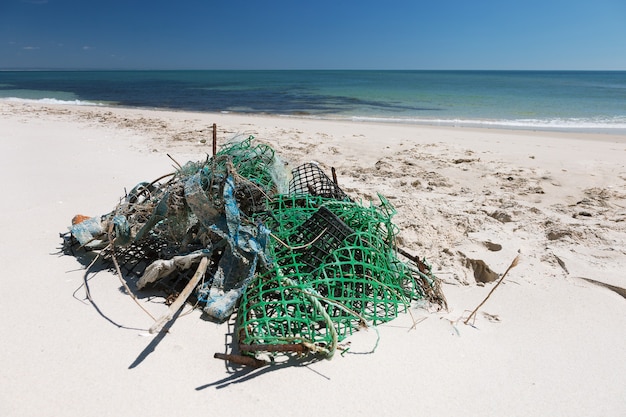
<point x="614" y="124"/>
<point x="51" y="101"/>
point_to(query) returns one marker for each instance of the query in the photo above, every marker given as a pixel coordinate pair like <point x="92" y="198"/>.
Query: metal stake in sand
<point x="185" y="293"/>
<point x="214" y="139"/>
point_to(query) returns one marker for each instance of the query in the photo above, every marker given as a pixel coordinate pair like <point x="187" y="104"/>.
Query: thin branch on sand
<point x="513" y="265"/>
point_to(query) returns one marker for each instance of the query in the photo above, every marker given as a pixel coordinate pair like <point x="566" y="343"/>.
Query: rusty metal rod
<point x="420" y="265"/>
<point x="214" y="139"/>
<point x="288" y="347"/>
<point x="241" y="360"/>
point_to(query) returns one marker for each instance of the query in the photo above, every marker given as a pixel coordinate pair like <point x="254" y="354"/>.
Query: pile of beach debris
<point x="301" y="263"/>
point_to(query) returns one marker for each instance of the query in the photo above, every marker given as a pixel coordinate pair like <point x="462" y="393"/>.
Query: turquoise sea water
<point x="541" y="100"/>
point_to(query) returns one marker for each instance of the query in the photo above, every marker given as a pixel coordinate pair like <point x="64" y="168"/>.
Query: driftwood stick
<point x="513" y="265"/>
<point x="185" y="293"/>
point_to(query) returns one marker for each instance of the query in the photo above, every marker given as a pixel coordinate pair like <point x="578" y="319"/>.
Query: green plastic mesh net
<point x="335" y="269"/>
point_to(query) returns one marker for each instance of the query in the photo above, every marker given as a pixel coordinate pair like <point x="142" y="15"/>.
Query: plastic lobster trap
<point x="318" y="236"/>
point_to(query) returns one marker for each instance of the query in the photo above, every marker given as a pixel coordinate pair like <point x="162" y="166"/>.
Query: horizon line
<point x="303" y="69"/>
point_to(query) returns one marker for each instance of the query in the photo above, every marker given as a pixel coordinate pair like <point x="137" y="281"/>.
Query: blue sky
<point x="321" y="34"/>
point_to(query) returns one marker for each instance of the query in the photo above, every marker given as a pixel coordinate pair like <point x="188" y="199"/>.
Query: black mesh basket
<point x="319" y="235"/>
<point x="310" y="179"/>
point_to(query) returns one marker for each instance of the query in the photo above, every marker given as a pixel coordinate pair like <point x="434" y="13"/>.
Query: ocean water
<point x="538" y="100"/>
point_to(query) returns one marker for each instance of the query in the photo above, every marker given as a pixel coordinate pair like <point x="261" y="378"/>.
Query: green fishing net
<point x="334" y="270"/>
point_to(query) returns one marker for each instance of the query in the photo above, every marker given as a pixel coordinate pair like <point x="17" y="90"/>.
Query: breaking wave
<point x="600" y="124"/>
<point x="51" y="101"/>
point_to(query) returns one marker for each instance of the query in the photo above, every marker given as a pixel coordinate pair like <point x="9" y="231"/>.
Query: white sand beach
<point x="550" y="341"/>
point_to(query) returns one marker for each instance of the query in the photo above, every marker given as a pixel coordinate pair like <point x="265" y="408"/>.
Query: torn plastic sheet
<point x="237" y="266"/>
